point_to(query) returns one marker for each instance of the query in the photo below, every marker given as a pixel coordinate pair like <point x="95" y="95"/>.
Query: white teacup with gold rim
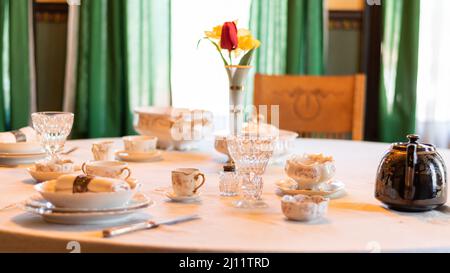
<point x="187" y="181"/>
<point x="140" y="144"/>
<point x="111" y="169"/>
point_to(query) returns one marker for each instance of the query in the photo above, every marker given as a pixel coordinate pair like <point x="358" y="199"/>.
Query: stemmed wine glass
<point x="251" y="154"/>
<point x="52" y="129"/>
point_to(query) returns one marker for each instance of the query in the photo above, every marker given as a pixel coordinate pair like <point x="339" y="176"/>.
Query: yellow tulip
<point x="216" y="33"/>
<point x="248" y="43"/>
<point x="244" y="32"/>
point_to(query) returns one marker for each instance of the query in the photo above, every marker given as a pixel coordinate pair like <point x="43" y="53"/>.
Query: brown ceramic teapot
<point x="412" y="177"/>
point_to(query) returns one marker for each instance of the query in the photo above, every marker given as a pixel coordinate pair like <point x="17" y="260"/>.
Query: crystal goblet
<point x="251" y="154"/>
<point x="52" y="129"/>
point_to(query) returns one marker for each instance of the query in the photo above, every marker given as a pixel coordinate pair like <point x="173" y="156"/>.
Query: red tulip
<point x="229" y="38"/>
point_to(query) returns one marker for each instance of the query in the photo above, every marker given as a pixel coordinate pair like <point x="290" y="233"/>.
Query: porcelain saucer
<point x="46" y="176"/>
<point x="68" y="216"/>
<point x="20" y="158"/>
<point x="183" y="199"/>
<point x="21" y="148"/>
<point x="139" y="157"/>
<point x="332" y="189"/>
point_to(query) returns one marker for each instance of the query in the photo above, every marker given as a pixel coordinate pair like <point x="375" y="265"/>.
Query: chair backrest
<point x="315" y="106"/>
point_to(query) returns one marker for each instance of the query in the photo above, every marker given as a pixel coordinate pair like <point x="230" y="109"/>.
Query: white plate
<point x="89" y="200"/>
<point x="46" y="176"/>
<point x="138" y="203"/>
<point x="139" y="157"/>
<point x="183" y="199"/>
<point x="20" y="147"/>
<point x="19" y="159"/>
<point x="332" y="189"/>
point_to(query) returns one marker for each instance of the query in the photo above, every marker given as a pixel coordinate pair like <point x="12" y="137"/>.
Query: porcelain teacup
<point x="187" y="181"/>
<point x="110" y="169"/>
<point x="140" y="144"/>
<point x="103" y="151"/>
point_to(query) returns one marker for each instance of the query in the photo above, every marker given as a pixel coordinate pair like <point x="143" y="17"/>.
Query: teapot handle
<point x="411" y="161"/>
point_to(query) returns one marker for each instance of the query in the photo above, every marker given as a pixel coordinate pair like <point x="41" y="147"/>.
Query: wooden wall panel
<point x="348" y="5"/>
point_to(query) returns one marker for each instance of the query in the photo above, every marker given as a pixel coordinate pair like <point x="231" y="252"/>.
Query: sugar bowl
<point x="310" y="171"/>
<point x="304" y="208"/>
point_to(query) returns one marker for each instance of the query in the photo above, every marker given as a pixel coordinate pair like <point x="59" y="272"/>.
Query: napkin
<point x="26" y="134"/>
<point x="85" y="183"/>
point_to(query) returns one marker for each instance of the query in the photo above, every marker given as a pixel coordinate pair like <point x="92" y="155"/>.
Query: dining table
<point x="355" y="222"/>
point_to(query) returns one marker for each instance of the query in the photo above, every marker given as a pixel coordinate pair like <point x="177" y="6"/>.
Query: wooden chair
<point x="315" y="106"/>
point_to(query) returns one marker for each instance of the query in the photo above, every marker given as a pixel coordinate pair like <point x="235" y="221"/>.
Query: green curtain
<point x="15" y="65"/>
<point x="292" y="37"/>
<point x="124" y="62"/>
<point x="400" y="49"/>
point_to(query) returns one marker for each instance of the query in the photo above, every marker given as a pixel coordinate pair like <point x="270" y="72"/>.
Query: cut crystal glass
<point x="52" y="129"/>
<point x="251" y="154"/>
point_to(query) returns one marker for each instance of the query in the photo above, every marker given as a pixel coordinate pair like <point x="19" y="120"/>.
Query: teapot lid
<point x="413" y="139"/>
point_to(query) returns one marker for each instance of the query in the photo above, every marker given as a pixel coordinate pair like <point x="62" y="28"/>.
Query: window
<point x="199" y="80"/>
<point x="433" y="87"/>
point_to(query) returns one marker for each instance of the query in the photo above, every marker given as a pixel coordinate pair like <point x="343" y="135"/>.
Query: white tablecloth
<point x="357" y="222"/>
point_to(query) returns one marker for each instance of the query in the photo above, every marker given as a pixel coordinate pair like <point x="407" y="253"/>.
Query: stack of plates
<point x="73" y="216"/>
<point x="20" y="153"/>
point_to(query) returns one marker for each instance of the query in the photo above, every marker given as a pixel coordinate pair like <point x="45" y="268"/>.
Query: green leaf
<point x="199" y="41"/>
<point x="247" y="59"/>
<point x="216" y="46"/>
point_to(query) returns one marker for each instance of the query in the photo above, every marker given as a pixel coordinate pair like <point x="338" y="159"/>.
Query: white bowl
<point x="304" y="208"/>
<point x="175" y="128"/>
<point x="107" y="200"/>
<point x="310" y="171"/>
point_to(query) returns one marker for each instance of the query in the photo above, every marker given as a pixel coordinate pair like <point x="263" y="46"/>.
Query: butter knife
<point x="68" y="152"/>
<point x="116" y="231"/>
